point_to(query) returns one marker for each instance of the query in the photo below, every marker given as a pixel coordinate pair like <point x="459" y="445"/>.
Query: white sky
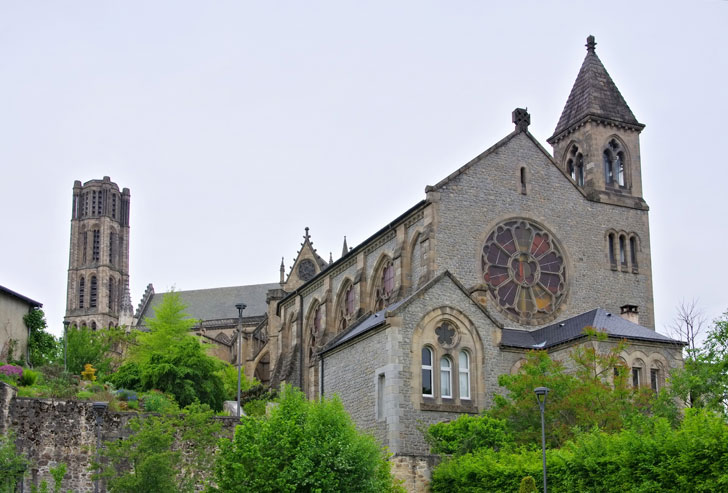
<point x="237" y="124"/>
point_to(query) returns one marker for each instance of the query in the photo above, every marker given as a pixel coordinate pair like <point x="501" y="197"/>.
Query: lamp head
<point x="66" y="323"/>
<point x="240" y="307"/>
<point x="541" y="393"/>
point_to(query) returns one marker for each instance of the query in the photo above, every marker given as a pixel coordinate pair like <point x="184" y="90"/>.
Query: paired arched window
<point x="614" y="164"/>
<point x="448" y="372"/>
<point x="575" y="165"/>
<point x="622" y="250"/>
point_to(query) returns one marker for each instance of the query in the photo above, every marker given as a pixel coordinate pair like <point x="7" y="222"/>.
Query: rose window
<point x="524" y="270"/>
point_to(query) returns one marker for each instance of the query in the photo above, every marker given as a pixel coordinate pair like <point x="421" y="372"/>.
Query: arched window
<point x="614" y="164"/>
<point x="95" y="255"/>
<point x="385" y="290"/>
<point x="112" y="295"/>
<point x="633" y="251"/>
<point x="612" y="258"/>
<point x="81" y="291"/>
<point x="93" y="325"/>
<point x="575" y="165"/>
<point x="445" y="377"/>
<point x="94" y="293"/>
<point x="350" y="300"/>
<point x="464" y="371"/>
<point x="427" y="372"/>
<point x="623" y="250"/>
<point x="637" y="376"/>
<point x="346" y="307"/>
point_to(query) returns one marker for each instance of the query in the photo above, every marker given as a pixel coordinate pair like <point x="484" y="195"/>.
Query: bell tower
<point x="596" y="141"/>
<point x="98" y="265"/>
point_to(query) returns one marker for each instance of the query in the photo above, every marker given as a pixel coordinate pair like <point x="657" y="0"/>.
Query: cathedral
<point x="521" y="248"/>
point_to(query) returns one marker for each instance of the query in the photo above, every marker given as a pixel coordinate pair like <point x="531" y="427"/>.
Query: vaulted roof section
<point x="594" y="95"/>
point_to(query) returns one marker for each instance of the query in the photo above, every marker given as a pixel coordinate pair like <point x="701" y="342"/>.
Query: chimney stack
<point x="630" y="313"/>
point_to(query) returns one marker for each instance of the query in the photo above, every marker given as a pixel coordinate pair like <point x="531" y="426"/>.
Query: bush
<point x="157" y="402"/>
<point x="302" y="446"/>
<point x="466" y="434"/>
<point x="128" y="376"/>
<point x="12" y="372"/>
<point x="28" y="378"/>
<point x="528" y="485"/>
<point x="126" y="395"/>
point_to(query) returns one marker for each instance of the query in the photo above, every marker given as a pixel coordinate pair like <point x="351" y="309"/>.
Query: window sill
<point x="448" y="405"/>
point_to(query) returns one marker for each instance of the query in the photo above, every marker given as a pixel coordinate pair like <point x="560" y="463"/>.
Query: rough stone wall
<point x="12" y="327"/>
<point x="488" y="192"/>
<point x="51" y="431"/>
<point x="415" y="471"/>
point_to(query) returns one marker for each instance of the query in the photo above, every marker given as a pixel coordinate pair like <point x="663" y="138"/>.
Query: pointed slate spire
<point x="331" y="258"/>
<point x="594" y="95"/>
<point x="345" y="249"/>
<point x="126" y="311"/>
<point x="283" y="272"/>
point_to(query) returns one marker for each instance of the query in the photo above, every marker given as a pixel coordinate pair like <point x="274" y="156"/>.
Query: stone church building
<point x="520" y="248"/>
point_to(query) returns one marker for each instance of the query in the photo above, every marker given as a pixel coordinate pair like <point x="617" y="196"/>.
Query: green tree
<point x="229" y="377"/>
<point x="86" y="346"/>
<point x="302" y="446"/>
<point x="150" y="459"/>
<point x="170" y="359"/>
<point x="12" y="464"/>
<point x="703" y="382"/>
<point x="43" y="348"/>
<point x="595" y="392"/>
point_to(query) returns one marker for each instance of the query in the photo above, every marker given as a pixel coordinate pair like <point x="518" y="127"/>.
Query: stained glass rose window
<point x="524" y="270"/>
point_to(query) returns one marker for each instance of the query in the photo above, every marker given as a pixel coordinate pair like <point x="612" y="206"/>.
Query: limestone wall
<point x="50" y="432"/>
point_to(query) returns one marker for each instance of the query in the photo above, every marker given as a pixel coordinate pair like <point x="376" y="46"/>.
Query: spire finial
<point x="345" y="249"/>
<point x="307" y="236"/>
<point x="331" y="258"/>
<point x="591" y="44"/>
<point x="283" y="272"/>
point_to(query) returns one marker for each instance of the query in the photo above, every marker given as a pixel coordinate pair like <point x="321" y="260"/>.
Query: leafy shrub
<point x="12" y="371"/>
<point x="466" y="434"/>
<point x="302" y="446"/>
<point x="528" y="485"/>
<point x="84" y="395"/>
<point x="157" y="402"/>
<point x="127" y="376"/>
<point x="28" y="378"/>
<point x="88" y="373"/>
<point x="133" y="405"/>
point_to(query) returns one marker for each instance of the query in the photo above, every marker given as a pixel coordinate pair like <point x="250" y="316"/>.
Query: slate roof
<point x="594" y="94"/>
<point x="10" y="292"/>
<point x="363" y="325"/>
<point x="219" y="303"/>
<point x="572" y="328"/>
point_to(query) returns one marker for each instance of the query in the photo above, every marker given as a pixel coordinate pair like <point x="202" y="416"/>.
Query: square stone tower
<point x="98" y="265"/>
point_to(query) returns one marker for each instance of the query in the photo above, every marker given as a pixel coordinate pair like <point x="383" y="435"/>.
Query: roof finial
<point x="345" y="249"/>
<point x="307" y="236"/>
<point x="283" y="272"/>
<point x="591" y="44"/>
<point x="521" y="118"/>
<point x="331" y="258"/>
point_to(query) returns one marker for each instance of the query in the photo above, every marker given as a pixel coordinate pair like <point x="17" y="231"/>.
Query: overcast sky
<point x="237" y="124"/>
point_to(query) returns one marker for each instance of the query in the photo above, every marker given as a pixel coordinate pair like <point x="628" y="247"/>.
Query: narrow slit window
<point x="636" y="376"/>
<point x="655" y="379"/>
<point x="81" y="291"/>
<point x="623" y="251"/>
<point x="612" y="258"/>
<point x="633" y="251"/>
<point x="523" y="181"/>
<point x="380" y="396"/>
<point x="94" y="292"/>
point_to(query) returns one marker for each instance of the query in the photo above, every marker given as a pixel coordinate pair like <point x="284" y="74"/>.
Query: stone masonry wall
<point x="50" y="432"/>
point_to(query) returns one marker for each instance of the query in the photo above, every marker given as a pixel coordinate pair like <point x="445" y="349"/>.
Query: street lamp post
<point x="541" y="393"/>
<point x="65" y="345"/>
<point x="99" y="410"/>
<point x="240" y="307"/>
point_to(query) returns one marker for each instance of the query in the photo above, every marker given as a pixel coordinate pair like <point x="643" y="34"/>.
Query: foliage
<point x="185" y="372"/>
<point x="12" y="465"/>
<point x="168" y="327"/>
<point x="170" y="359"/>
<point x="653" y="456"/>
<point x="128" y="376"/>
<point x="229" y="377"/>
<point x="88" y="373"/>
<point x="703" y="383"/>
<point x="88" y="347"/>
<point x="528" y="485"/>
<point x="58" y="473"/>
<point x="254" y="400"/>
<point x="43" y="348"/>
<point x="302" y="446"/>
<point x="11" y="371"/>
<point x="28" y="378"/>
<point x="157" y="402"/>
<point x="148" y="460"/>
<point x="595" y="393"/>
<point x="467" y="434"/>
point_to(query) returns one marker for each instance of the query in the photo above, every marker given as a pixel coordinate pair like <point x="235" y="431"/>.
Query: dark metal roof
<point x="573" y="328"/>
<point x="29" y="301"/>
<point x="594" y="94"/>
<point x="219" y="303"/>
<point x="363" y="325"/>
